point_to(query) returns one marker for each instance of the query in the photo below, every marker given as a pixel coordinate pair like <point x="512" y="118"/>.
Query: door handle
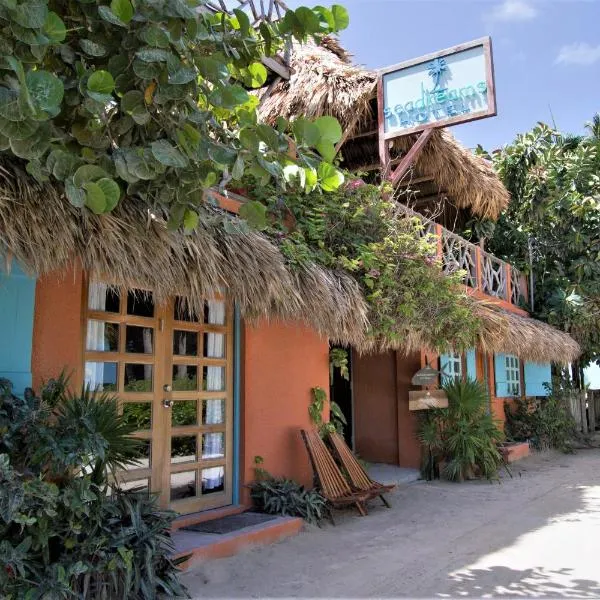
<point x="167" y="403"/>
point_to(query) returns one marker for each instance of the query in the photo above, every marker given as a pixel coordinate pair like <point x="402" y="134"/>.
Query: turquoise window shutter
<point x="17" y="299"/>
<point x="500" y="376"/>
<point x="536" y="375"/>
<point x="446" y="375"/>
<point x="471" y="364"/>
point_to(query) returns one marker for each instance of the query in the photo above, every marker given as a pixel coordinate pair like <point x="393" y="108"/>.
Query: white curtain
<point x="215" y="379"/>
<point x="94" y="371"/>
<point x="212" y="478"/>
<point x="215" y="345"/>
<point x="216" y="312"/>
<point x="213" y="446"/>
<point x="214" y="412"/>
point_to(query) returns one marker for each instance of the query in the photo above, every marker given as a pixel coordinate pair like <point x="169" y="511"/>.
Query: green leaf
<point x="122" y="9"/>
<point x="190" y="221"/>
<point x="306" y="132"/>
<point x="18" y="130"/>
<point x="75" y="195"/>
<point x="168" y="155"/>
<point x="94" y="197"/>
<point x="36" y="170"/>
<point x="142" y="164"/>
<point x="212" y="69"/>
<point x="330" y="177"/>
<point x="30" y="14"/>
<point x="4" y="142"/>
<point x="92" y="48"/>
<point x="45" y="89"/>
<point x="112" y="193"/>
<point x="154" y="35"/>
<point x="269" y="136"/>
<point x="101" y="82"/>
<point x="54" y="28"/>
<point x="308" y="20"/>
<point x="87" y="173"/>
<point x="326" y="149"/>
<point x="249" y="139"/>
<point x="61" y="164"/>
<point x="10" y="107"/>
<point x="145" y="70"/>
<point x="255" y="214"/>
<point x="340" y="16"/>
<point x="329" y="128"/>
<point x="243" y="21"/>
<point x="153" y="55"/>
<point x="183" y="76"/>
<point x="110" y="17"/>
<point x="31" y="148"/>
<point x="258" y="75"/>
<point x="131" y="100"/>
<point x="237" y="171"/>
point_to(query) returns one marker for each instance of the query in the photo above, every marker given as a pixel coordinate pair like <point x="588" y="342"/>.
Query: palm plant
<point x="464" y="436"/>
<point x="92" y="435"/>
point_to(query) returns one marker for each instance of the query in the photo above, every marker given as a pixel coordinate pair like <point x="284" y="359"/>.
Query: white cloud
<point x="513" y="10"/>
<point x="579" y="53"/>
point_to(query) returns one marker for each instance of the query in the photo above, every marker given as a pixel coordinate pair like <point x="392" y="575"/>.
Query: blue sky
<point x="546" y="54"/>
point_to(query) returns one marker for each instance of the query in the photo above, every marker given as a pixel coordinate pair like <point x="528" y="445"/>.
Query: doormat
<point x="231" y="523"/>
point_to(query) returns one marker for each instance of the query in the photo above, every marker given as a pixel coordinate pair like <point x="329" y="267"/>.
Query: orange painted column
<point x="58" y="327"/>
<point x="281" y="363"/>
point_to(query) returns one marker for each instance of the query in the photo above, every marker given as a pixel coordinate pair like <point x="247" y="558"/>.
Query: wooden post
<point x="584" y="424"/>
<point x="478" y="268"/>
<point x="592" y="411"/>
<point x="507" y="274"/>
<point x="439" y="232"/>
<point x="411" y="156"/>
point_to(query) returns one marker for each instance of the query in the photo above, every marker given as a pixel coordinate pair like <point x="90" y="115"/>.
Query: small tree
<point x="149" y="99"/>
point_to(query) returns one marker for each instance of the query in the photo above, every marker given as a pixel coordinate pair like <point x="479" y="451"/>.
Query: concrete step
<point x="206" y="546"/>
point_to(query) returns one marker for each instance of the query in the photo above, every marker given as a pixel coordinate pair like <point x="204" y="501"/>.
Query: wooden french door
<point x="172" y="371"/>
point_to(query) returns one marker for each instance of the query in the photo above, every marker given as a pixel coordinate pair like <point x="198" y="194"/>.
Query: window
<point x="513" y="375"/>
<point x="451" y="366"/>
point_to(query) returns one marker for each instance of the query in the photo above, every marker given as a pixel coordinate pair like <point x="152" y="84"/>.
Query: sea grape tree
<point x="150" y="99"/>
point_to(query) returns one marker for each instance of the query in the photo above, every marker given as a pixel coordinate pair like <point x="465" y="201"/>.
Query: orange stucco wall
<point x="57" y="335"/>
<point x="282" y="362"/>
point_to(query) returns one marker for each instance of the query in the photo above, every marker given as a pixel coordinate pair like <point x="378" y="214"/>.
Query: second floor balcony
<point x="482" y="272"/>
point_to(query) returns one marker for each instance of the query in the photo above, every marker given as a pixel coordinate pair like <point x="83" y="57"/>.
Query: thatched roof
<point x="324" y="81"/>
<point x="131" y="247"/>
<point x="529" y="339"/>
<point x="128" y="247"/>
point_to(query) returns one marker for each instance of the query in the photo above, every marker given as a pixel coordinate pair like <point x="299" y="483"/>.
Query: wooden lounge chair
<point x="359" y="478"/>
<point x="330" y="480"/>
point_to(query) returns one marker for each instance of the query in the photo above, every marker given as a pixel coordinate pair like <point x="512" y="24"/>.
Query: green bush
<point x="279" y="496"/>
<point x="545" y="422"/>
<point x="463" y="437"/>
<point x="65" y="530"/>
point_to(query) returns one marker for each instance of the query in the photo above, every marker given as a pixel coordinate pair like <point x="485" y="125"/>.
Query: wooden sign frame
<point x="427" y="399"/>
<point x="426" y="129"/>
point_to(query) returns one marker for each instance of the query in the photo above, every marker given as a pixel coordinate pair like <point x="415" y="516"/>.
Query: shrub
<point x="545" y="422"/>
<point x="65" y="530"/>
<point x="464" y="436"/>
<point x="279" y="496"/>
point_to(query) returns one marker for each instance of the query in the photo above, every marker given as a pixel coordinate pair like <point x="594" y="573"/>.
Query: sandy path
<point x="536" y="534"/>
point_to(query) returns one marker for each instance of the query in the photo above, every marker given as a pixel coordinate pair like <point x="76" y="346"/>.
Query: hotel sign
<point x="444" y="88"/>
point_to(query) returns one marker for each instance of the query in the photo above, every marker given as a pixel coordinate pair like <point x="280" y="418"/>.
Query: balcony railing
<point x="481" y="270"/>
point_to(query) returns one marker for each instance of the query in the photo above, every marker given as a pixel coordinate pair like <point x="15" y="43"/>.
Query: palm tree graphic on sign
<point x="437" y="67"/>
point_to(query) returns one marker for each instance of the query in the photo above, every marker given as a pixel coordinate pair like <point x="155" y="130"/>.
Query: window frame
<point x="512" y="369"/>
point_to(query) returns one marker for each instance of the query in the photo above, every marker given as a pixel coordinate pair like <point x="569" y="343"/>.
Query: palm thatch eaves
<point x="324" y="81"/>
